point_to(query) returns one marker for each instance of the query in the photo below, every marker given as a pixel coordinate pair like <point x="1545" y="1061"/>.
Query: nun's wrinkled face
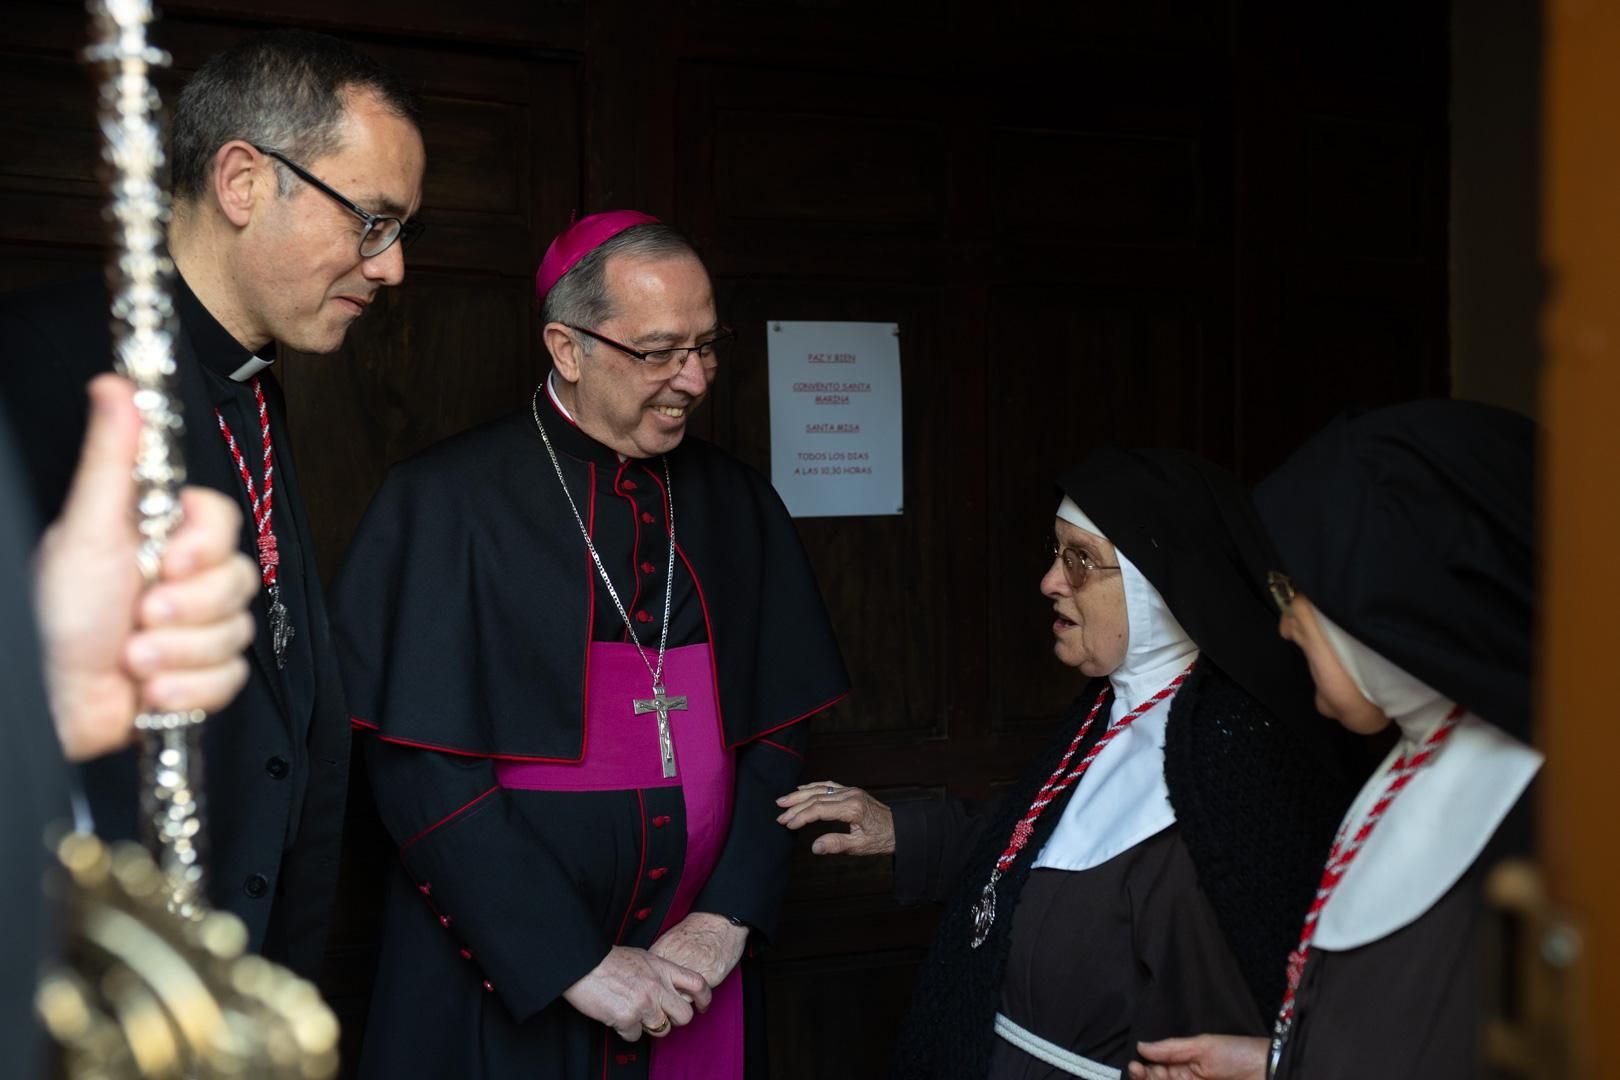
<point x="1337" y="696"/>
<point x="1092" y="627"/>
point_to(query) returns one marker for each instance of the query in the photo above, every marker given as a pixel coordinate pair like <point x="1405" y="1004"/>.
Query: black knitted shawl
<point x="1258" y="807"/>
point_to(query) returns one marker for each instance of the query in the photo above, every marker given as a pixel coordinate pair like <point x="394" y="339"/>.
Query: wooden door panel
<point x="1097" y="188"/>
<point x="844" y="1014"/>
<point x="437" y="355"/>
<point x="821" y="172"/>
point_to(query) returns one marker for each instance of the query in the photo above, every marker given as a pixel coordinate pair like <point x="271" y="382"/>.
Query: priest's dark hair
<point x="580" y="297"/>
<point x="287" y="90"/>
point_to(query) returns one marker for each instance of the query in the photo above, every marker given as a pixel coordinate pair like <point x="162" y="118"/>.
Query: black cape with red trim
<point x="465" y="614"/>
<point x="478" y="600"/>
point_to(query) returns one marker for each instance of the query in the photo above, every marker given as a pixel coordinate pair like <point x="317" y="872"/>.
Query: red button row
<point x="426" y="889"/>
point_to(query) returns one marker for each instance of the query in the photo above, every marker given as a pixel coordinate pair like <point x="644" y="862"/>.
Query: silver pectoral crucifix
<point x="661" y="704"/>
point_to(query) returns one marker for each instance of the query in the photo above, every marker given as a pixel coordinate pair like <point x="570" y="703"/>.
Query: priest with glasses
<point x="582" y="646"/>
<point x="296" y="168"/>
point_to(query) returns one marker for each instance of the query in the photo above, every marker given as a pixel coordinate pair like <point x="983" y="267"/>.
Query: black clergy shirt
<point x="221" y="355"/>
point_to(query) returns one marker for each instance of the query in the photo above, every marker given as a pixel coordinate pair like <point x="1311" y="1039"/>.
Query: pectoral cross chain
<point x="661" y="704"/>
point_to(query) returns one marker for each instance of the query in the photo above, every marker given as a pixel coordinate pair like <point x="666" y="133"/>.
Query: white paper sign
<point x="835" y="417"/>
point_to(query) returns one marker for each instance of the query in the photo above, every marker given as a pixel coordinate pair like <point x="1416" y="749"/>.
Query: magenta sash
<point x="621" y="753"/>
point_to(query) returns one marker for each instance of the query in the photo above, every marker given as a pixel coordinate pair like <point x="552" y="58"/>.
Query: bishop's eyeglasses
<point x="381" y="229"/>
<point x="1077" y="564"/>
<point x="664" y="363"/>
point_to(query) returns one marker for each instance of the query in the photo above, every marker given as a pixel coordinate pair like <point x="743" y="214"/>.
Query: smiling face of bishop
<point x="636" y="407"/>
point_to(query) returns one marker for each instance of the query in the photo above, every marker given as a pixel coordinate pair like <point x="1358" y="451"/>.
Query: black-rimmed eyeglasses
<point x="381" y="229"/>
<point x="656" y="362"/>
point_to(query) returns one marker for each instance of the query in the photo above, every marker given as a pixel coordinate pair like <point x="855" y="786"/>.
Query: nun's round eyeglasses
<point x="1281" y="587"/>
<point x="381" y="229"/>
<point x="1077" y="565"/>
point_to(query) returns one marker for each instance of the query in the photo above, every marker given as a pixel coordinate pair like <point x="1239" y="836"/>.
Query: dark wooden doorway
<point x="1210" y="224"/>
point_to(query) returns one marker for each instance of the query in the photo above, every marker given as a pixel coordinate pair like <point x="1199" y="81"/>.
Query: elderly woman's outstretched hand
<point x="1205" y="1057"/>
<point x="871" y="823"/>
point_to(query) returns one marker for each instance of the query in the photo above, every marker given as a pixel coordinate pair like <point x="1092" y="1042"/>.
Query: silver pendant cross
<point x="661" y="704"/>
<point x="281" y="629"/>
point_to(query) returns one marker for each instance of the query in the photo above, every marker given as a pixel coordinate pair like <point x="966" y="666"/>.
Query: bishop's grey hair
<point x="286" y="90"/>
<point x="581" y="297"/>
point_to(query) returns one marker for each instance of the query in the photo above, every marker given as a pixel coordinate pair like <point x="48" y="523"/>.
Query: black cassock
<point x="33" y="781"/>
<point x="466" y="615"/>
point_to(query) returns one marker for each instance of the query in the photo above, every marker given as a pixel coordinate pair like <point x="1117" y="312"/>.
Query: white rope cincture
<point x="1053" y="1054"/>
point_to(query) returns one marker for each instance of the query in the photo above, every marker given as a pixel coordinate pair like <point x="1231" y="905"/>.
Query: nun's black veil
<point x="1191" y="528"/>
<point x="1413" y="528"/>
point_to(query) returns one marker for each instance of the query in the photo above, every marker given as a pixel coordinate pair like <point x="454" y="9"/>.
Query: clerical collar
<point x="216" y="349"/>
<point x="570" y="437"/>
<point x="551" y="392"/>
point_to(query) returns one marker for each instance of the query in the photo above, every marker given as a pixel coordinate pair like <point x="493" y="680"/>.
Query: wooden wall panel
<point x="1148" y="27"/>
<point x="25" y="264"/>
<point x="490" y="25"/>
<point x="1362" y="188"/>
<point x="1097" y="188"/>
<point x="843" y="1008"/>
<point x="374" y="401"/>
<point x="836" y="173"/>
<point x="1342" y="257"/>
<point x="822" y="169"/>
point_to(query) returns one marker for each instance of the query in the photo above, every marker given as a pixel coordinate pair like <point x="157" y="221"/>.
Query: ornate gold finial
<point x="146" y="992"/>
